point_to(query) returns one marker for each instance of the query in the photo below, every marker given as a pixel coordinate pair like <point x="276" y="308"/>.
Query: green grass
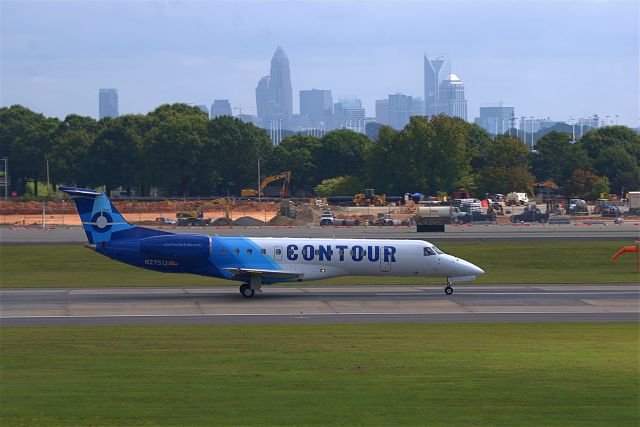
<point x="504" y="262"/>
<point x="492" y="374"/>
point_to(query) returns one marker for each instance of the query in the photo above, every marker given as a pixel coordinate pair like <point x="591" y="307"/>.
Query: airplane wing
<point x="266" y="274"/>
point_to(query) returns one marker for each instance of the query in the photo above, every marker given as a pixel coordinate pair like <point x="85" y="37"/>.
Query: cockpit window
<point x="437" y="250"/>
<point x="428" y="251"/>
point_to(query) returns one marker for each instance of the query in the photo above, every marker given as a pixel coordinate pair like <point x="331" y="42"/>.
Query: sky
<point x="557" y="59"/>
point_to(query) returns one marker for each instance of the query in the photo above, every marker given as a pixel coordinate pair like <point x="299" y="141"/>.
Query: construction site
<point x="362" y="209"/>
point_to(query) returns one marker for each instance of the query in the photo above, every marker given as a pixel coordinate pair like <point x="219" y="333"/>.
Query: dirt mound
<point x="308" y="215"/>
<point x="247" y="221"/>
<point x="281" y="220"/>
<point x="222" y="222"/>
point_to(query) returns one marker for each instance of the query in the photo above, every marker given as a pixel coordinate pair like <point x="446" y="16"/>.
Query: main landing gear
<point x="248" y="290"/>
<point x="448" y="289"/>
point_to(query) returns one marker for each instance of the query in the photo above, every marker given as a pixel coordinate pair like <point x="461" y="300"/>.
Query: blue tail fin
<point x="99" y="217"/>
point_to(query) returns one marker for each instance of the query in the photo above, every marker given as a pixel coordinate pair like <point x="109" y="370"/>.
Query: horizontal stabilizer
<point x="266" y="274"/>
<point x="82" y="192"/>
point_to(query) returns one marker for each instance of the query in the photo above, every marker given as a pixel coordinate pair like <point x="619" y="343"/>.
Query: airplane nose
<point x="465" y="268"/>
<point x="477" y="270"/>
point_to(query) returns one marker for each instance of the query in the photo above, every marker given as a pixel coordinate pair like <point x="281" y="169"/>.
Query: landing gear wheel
<point x="448" y="290"/>
<point x="246" y="290"/>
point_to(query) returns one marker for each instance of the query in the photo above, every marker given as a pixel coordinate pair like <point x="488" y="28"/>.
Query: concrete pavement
<point x="326" y="304"/>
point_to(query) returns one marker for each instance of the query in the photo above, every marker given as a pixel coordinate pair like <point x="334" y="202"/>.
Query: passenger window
<point x="279" y="251"/>
<point x="224" y="251"/>
<point x="249" y="251"/>
<point x="317" y="252"/>
<point x="428" y="251"/>
<point x="263" y="251"/>
<point x="236" y="251"/>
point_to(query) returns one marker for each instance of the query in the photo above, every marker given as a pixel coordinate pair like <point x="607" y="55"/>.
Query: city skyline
<point x="573" y="68"/>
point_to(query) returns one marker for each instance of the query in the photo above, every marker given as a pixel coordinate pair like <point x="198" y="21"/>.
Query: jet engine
<point x="177" y="246"/>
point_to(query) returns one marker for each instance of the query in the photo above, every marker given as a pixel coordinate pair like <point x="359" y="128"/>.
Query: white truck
<point x="515" y="198"/>
<point x="327" y="219"/>
<point x="634" y="203"/>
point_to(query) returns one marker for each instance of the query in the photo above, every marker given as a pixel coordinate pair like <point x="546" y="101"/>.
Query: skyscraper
<point x="274" y="98"/>
<point x="220" y="107"/>
<point x="451" y="97"/>
<point x="496" y="118"/>
<point x="262" y="97"/>
<point x="107" y="103"/>
<point x="349" y="114"/>
<point x="436" y="70"/>
<point x="316" y="104"/>
<point x="280" y="83"/>
<point x="382" y="111"/>
<point x="399" y="110"/>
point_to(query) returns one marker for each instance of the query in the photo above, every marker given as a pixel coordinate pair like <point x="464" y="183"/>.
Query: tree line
<point x="179" y="151"/>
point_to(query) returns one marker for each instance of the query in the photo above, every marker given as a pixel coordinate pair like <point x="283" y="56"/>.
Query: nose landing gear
<point x="448" y="289"/>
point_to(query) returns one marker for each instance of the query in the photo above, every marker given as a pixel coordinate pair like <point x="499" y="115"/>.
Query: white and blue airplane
<point x="259" y="261"/>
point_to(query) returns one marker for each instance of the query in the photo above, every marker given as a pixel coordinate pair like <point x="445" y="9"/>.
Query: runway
<point x="320" y="304"/>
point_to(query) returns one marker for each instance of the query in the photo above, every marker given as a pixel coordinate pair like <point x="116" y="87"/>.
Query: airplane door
<point x="277" y="253"/>
<point x="385" y="267"/>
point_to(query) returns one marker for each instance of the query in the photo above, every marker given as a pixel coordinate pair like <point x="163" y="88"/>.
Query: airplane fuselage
<point x="258" y="261"/>
<point x="311" y="259"/>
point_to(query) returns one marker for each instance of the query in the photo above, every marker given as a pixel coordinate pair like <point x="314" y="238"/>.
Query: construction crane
<point x="240" y="107"/>
<point x="284" y="189"/>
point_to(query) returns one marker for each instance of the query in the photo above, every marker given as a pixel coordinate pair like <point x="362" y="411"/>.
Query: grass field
<point x="493" y="374"/>
<point x="504" y="262"/>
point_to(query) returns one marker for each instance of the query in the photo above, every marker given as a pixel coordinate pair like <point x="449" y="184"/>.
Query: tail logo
<point x="101" y="222"/>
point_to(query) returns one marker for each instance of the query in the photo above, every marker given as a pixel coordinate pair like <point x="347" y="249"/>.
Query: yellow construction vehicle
<point x="226" y="203"/>
<point x="192" y="215"/>
<point x="284" y="189"/>
<point x="369" y="198"/>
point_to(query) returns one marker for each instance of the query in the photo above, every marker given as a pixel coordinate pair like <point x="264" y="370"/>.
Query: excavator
<point x="284" y="189"/>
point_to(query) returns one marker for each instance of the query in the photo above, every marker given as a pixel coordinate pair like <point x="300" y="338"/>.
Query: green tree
<point x="600" y="188"/>
<point x="581" y="184"/>
<point x="557" y="158"/>
<point x="174" y="150"/>
<point x="384" y="163"/>
<point x="341" y="153"/>
<point x="427" y="156"/>
<point x="479" y="141"/>
<point x="25" y="139"/>
<point x="450" y="157"/>
<point x="619" y="166"/>
<point x="339" y="186"/>
<point x="615" y="152"/>
<point x="115" y="157"/>
<point x="69" y="149"/>
<point x="237" y="146"/>
<point x="507" y="168"/>
<point x="298" y="153"/>
<point x="594" y="141"/>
